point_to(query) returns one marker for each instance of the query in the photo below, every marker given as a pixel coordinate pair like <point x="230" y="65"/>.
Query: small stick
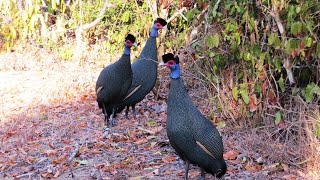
<point x="75" y="152"/>
<point x="27" y="175"/>
<point x="146" y="130"/>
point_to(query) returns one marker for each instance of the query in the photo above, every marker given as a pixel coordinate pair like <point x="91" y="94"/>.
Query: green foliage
<point x="317" y="130"/>
<point x="248" y="36"/>
<point x="212" y="41"/>
<point x="311" y="90"/>
<point x="53" y="23"/>
<point x="244" y="93"/>
<point x="277" y="117"/>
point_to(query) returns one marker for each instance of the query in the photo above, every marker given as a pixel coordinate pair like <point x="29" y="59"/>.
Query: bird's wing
<point x="99" y="89"/>
<point x="132" y="91"/>
<point x="211" y="142"/>
<point x="208" y="138"/>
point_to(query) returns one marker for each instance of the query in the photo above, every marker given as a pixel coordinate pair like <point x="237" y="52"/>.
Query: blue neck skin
<point x="154" y="31"/>
<point x="126" y="50"/>
<point x="175" y="71"/>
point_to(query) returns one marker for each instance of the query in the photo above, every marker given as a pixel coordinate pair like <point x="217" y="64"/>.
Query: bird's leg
<point x="203" y="175"/>
<point x="133" y="106"/>
<point x="112" y="122"/>
<point x="127" y="111"/>
<point x="186" y="169"/>
<point x="106" y="119"/>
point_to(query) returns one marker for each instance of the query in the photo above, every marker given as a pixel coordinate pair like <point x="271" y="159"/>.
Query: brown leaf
<point x="230" y="155"/>
<point x="60" y="159"/>
<point x="141" y="141"/>
<point x="253" y="103"/>
<point x="264" y="87"/>
<point x="281" y="125"/>
<point x="272" y="98"/>
<point x="250" y="166"/>
<point x="57" y="174"/>
<point x="169" y="158"/>
<point x="50" y="152"/>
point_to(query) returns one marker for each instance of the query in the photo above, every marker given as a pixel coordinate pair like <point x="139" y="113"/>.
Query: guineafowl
<point x="195" y="139"/>
<point x="144" y="69"/>
<point x="114" y="82"/>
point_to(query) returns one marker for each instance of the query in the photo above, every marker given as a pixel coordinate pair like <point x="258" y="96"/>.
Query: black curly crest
<point x="131" y="38"/>
<point x="167" y="57"/>
<point x="161" y="21"/>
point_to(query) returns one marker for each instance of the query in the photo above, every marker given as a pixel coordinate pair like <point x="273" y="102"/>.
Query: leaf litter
<point x="51" y="128"/>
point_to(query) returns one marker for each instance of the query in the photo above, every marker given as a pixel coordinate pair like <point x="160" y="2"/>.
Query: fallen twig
<point x="75" y="152"/>
<point x="146" y="130"/>
<point x="27" y="175"/>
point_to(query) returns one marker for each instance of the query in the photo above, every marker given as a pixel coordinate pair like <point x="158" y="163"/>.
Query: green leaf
<point x="277" y="117"/>
<point x="210" y="42"/>
<point x="298" y="9"/>
<point x="235" y="93"/>
<point x="244" y="93"/>
<point x="281" y="84"/>
<point x="216" y="40"/>
<point x="125" y="16"/>
<point x="308" y="41"/>
<point x="237" y="38"/>
<point x="296" y="28"/>
<point x="221" y="124"/>
<point x="211" y="54"/>
<point x="271" y="39"/>
<point x="317" y="130"/>
<point x="278" y="64"/>
<point x="310" y="90"/>
<point x="151" y="122"/>
<point x="247" y="56"/>
<point x="258" y="87"/>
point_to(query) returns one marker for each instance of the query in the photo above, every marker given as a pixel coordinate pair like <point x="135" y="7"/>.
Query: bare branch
<point x="179" y="12"/>
<point x="96" y="21"/>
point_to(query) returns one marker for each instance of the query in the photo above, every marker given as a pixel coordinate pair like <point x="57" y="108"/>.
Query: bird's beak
<point x="162" y="63"/>
<point x="135" y="44"/>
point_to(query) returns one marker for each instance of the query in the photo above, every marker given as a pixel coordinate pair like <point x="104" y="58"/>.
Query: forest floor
<point x="51" y="127"/>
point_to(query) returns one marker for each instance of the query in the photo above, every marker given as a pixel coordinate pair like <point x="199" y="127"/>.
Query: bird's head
<point x="160" y="23"/>
<point x="169" y="60"/>
<point x="172" y="62"/>
<point x="130" y="41"/>
<point x="218" y="168"/>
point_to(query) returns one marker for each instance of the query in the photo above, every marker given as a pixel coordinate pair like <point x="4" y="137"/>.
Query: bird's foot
<point x="106" y="132"/>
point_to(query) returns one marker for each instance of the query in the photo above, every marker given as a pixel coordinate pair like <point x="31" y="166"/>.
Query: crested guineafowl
<point x="144" y="69"/>
<point x="114" y="82"/>
<point x="195" y="139"/>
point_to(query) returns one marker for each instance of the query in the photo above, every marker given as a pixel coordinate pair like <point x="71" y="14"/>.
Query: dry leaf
<point x="253" y="103"/>
<point x="57" y="174"/>
<point x="60" y="159"/>
<point x="169" y="158"/>
<point x="250" y="166"/>
<point x="230" y="155"/>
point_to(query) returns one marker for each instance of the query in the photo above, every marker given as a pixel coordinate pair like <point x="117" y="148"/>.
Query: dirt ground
<point x="51" y="127"/>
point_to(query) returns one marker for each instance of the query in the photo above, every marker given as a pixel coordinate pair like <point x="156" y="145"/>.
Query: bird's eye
<point x="159" y="26"/>
<point x="170" y="63"/>
<point x="129" y="43"/>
